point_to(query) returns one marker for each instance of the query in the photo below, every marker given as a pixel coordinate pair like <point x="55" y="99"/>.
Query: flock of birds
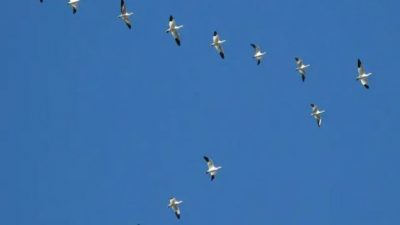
<point x="173" y="29"/>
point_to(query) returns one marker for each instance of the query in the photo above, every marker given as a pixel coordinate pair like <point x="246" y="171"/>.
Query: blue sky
<point x="101" y="125"/>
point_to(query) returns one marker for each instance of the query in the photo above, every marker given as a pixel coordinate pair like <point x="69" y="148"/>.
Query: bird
<point x="258" y="55"/>
<point x="125" y="14"/>
<point x="301" y="68"/>
<point x="174" y="205"/>
<point x="362" y="76"/>
<point x="316" y="113"/>
<point x="173" y="29"/>
<point x="217" y="43"/>
<point x="212" y="169"/>
<point x="74" y="5"/>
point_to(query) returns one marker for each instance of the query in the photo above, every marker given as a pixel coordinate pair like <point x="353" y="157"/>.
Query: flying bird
<point x="258" y="55"/>
<point x="74" y="5"/>
<point x="125" y="14"/>
<point x="174" y="205"/>
<point x="173" y="29"/>
<point x="301" y="68"/>
<point x="217" y="43"/>
<point x="316" y="113"/>
<point x="212" y="169"/>
<point x="362" y="76"/>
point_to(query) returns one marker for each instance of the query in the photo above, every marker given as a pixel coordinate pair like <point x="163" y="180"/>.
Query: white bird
<point x="217" y="43"/>
<point x="212" y="169"/>
<point x="74" y="5"/>
<point x="125" y="14"/>
<point x="174" y="205"/>
<point x="316" y="113"/>
<point x="258" y="55"/>
<point x="301" y="68"/>
<point x="173" y="28"/>
<point x="362" y="76"/>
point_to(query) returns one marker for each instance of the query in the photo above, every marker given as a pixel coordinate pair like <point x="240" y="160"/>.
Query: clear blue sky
<point x="101" y="125"/>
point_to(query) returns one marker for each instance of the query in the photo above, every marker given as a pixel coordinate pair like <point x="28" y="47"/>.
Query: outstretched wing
<point x="210" y="163"/>
<point x="172" y="23"/>
<point x="123" y="7"/>
<point x="175" y="34"/>
<point x="299" y="62"/>
<point x="314" y="108"/>
<point x="360" y="67"/>
<point x="256" y="48"/>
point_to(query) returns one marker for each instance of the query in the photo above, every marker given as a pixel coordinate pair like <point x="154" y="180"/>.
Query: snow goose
<point x="301" y="68"/>
<point x="125" y="14"/>
<point x="174" y="205"/>
<point x="212" y="169"/>
<point x="173" y="29"/>
<point x="316" y="113"/>
<point x="258" y="55"/>
<point x="217" y="43"/>
<point x="362" y="76"/>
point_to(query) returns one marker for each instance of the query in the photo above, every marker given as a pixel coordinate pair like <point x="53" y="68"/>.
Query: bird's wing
<point x="177" y="211"/>
<point x="220" y="49"/>
<point x="216" y="39"/>
<point x="314" y="109"/>
<point x="256" y="48"/>
<point x="360" y="67"/>
<point x="175" y="34"/>
<point x="210" y="163"/>
<point x="299" y="62"/>
<point x="123" y="7"/>
<point x="172" y="22"/>
<point x="127" y="22"/>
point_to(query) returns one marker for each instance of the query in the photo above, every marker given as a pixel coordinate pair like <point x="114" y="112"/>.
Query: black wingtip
<point x="171" y="18"/>
<point x="253" y="45"/>
<point x="215" y="33"/>
<point x="359" y="63"/>
<point x="296" y="58"/>
<point x="178" y="42"/>
<point x="303" y="78"/>
<point x="73" y="11"/>
<point x="212" y="177"/>
<point x="222" y="55"/>
<point x="178" y="216"/>
<point x="312" y="105"/>
<point x="206" y="158"/>
<point x="258" y="62"/>
<point x="128" y="25"/>
<point x="366" y="86"/>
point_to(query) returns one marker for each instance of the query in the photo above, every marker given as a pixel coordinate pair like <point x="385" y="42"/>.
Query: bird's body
<point x="125" y="14"/>
<point x="316" y="113"/>
<point x="258" y="54"/>
<point x="173" y="29"/>
<point x="74" y="5"/>
<point x="174" y="205"/>
<point x="217" y="43"/>
<point x="362" y="75"/>
<point x="301" y="68"/>
<point x="212" y="169"/>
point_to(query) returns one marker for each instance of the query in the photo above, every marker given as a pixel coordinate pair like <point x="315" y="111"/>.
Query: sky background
<point x="102" y="125"/>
